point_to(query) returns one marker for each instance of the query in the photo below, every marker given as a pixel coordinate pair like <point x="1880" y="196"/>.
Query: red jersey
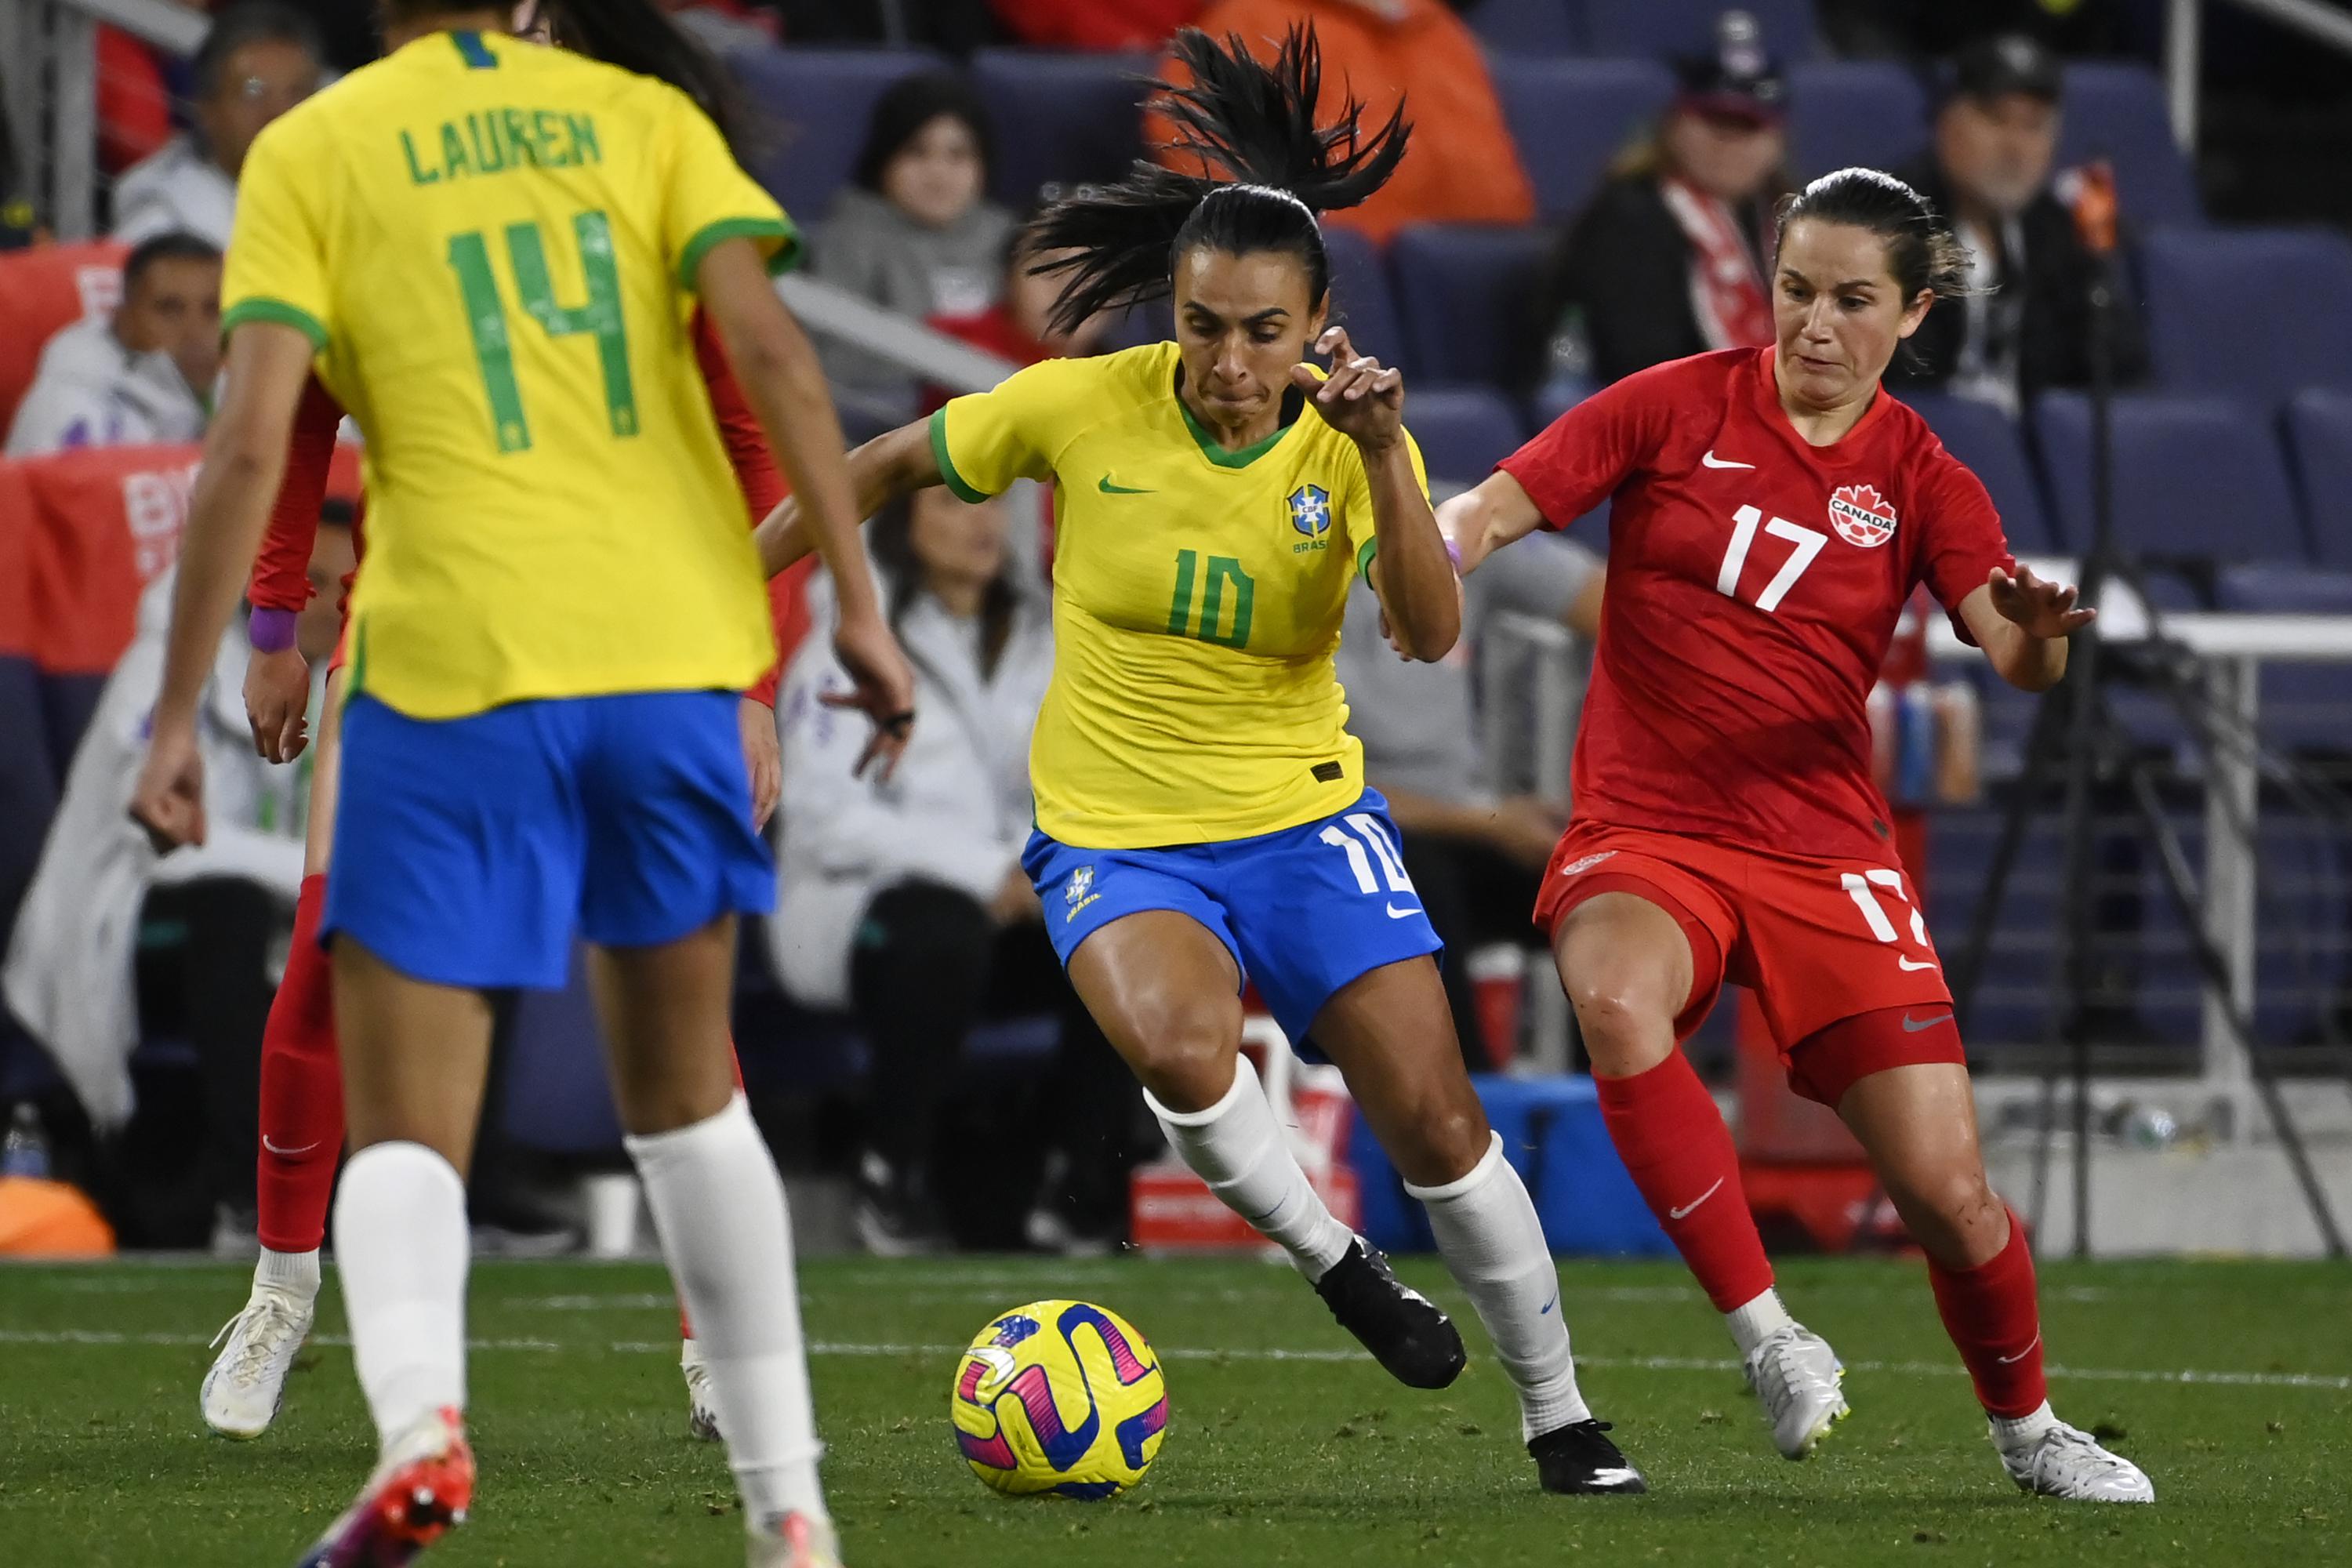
<point x="1754" y="583"/>
<point x="281" y="574"/>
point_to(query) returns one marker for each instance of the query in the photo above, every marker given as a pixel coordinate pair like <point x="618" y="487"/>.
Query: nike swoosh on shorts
<point x="1913" y="1026"/>
<point x="1910" y="963"/>
<point x="1396" y="914"/>
<point x="1711" y="462"/>
<point x="1685" y="1211"/>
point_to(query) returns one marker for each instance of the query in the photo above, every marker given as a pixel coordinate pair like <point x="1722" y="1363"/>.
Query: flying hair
<point x="1267" y="170"/>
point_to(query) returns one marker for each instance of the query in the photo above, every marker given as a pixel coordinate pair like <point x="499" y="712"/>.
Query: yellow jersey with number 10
<point x="492" y="245"/>
<point x="1197" y="594"/>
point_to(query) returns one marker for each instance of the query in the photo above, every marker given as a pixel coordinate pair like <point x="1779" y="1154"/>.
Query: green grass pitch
<point x="1316" y="1459"/>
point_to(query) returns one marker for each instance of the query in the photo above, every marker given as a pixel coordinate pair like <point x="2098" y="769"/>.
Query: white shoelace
<point x="254" y="1349"/>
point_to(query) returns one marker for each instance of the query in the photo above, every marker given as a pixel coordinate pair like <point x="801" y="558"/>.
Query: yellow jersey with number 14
<point x="492" y="247"/>
<point x="1197" y="594"/>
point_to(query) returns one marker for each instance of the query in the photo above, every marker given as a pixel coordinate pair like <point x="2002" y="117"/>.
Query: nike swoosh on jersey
<point x="1396" y="914"/>
<point x="1913" y="1026"/>
<point x="1685" y="1211"/>
<point x="1109" y="488"/>
<point x="2013" y="1359"/>
<point x="1910" y="963"/>
<point x="1711" y="462"/>
<point x="287" y="1153"/>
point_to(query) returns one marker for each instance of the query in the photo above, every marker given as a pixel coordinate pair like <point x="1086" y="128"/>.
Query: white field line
<point x="1257" y="1353"/>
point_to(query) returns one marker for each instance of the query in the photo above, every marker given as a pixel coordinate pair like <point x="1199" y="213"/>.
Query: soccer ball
<point x="1061" y="1398"/>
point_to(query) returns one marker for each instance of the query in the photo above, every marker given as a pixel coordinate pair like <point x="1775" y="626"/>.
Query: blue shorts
<point x="468" y="850"/>
<point x="1303" y="912"/>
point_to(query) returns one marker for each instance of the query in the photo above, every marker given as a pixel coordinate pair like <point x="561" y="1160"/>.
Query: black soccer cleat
<point x="1580" y="1458"/>
<point x="1404" y="1330"/>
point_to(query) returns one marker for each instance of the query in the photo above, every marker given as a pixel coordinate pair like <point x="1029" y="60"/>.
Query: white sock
<point x="719" y="1206"/>
<point x="402" y="1247"/>
<point x="296" y="1273"/>
<point x="2019" y="1435"/>
<point x="1486" y="1228"/>
<point x="1754" y="1321"/>
<point x="1236" y="1148"/>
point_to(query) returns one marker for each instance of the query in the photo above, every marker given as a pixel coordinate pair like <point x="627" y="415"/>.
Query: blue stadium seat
<point x="1664" y="29"/>
<point x="1361" y="301"/>
<point x="557" y="1098"/>
<point x="2319" y="435"/>
<point x="1525" y="27"/>
<point x="1464" y="432"/>
<point x="1072" y="118"/>
<point x="1467" y="293"/>
<point x="2199" y="477"/>
<point x="1984" y="439"/>
<point x="2117" y="113"/>
<point x="2304" y="707"/>
<point x="2253" y="314"/>
<point x="1843" y="113"/>
<point x="1569" y="118"/>
<point x="820" y="101"/>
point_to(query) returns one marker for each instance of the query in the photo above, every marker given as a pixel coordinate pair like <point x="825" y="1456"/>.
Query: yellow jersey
<point x="1197" y="594"/>
<point x="492" y="245"/>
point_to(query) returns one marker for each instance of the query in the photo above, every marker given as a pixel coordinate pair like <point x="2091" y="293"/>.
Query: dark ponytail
<point x="1922" y="253"/>
<point x="639" y="36"/>
<point x="1252" y="123"/>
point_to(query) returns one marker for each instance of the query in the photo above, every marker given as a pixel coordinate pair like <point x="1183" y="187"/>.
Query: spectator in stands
<point x="1019" y="325"/>
<point x="258" y="61"/>
<point x="114" y="944"/>
<point x="1672" y="259"/>
<point x="915" y="232"/>
<point x="1101" y="25"/>
<point x="1475" y="855"/>
<point x="143" y="374"/>
<point x="903" y="900"/>
<point x="1462" y="165"/>
<point x="2025" y="324"/>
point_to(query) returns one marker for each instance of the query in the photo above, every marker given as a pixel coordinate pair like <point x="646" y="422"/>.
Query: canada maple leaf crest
<point x="1862" y="516"/>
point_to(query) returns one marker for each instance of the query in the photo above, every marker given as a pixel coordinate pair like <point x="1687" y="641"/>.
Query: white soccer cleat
<point x="1795" y="1373"/>
<point x="2069" y="1463"/>
<point x="795" y="1541"/>
<point x="702" y="1412"/>
<point x="246" y="1385"/>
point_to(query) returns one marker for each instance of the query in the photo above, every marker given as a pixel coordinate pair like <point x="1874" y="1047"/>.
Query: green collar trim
<point x="1217" y="453"/>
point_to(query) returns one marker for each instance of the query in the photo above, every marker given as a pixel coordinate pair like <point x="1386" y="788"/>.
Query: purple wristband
<point x="1453" y="553"/>
<point x="271" y="631"/>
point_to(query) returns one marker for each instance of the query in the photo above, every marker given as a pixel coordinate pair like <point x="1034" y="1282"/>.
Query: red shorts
<point x="1818" y="941"/>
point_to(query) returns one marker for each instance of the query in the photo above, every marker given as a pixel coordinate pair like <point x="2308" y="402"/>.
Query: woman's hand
<point x="1360" y="399"/>
<point x="277" y="703"/>
<point x="763" y="757"/>
<point x="169" y="799"/>
<point x="882" y="685"/>
<point x="2036" y="605"/>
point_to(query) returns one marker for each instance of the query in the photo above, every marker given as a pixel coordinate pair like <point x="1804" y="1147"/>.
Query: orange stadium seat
<point x="42" y="289"/>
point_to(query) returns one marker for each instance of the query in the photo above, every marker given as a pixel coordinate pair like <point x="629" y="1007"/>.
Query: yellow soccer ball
<point x="1060" y="1398"/>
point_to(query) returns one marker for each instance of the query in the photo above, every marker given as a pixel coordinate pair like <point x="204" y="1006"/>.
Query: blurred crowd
<point x="905" y="918"/>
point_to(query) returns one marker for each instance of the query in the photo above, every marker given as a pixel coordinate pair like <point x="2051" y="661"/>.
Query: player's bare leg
<point x="720" y="1208"/>
<point x="1391" y="1034"/>
<point x="414" y="1055"/>
<point x="1919" y="1125"/>
<point x="301" y="1139"/>
<point x="1167" y="994"/>
<point x="1628" y="967"/>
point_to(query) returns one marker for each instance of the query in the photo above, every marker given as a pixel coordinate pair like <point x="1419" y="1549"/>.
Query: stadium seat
<point x="29" y="776"/>
<point x="2117" y="113"/>
<point x="2195" y="478"/>
<point x="42" y="289"/>
<point x="1525" y="27"/>
<point x="1984" y="439"/>
<point x="1361" y="301"/>
<point x="2319" y="435"/>
<point x="2304" y="707"/>
<point x="1843" y="113"/>
<point x="2290" y="325"/>
<point x="1070" y="118"/>
<point x="818" y="101"/>
<point x="1464" y="432"/>
<point x="1666" y="29"/>
<point x="1571" y="118"/>
<point x="1467" y="293"/>
<point x="556" y="1097"/>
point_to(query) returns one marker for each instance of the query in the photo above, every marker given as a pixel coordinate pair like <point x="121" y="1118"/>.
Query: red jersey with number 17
<point x="1754" y="583"/>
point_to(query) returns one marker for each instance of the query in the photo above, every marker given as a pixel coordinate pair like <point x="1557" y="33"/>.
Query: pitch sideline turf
<point x="579" y="1419"/>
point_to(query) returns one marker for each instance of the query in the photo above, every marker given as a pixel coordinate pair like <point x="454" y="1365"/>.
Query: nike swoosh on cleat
<point x="1910" y="963"/>
<point x="1396" y="914"/>
<point x="2013" y="1359"/>
<point x="1912" y="1025"/>
<point x="1109" y="488"/>
<point x="1711" y="462"/>
<point x="287" y="1153"/>
<point x="1686" y="1208"/>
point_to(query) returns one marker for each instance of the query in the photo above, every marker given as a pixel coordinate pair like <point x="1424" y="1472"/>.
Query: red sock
<point x="301" y="1091"/>
<point x="1990" y="1312"/>
<point x="1674" y="1142"/>
<point x="685" y="1323"/>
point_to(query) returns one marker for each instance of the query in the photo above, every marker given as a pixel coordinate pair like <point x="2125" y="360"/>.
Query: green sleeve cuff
<point x="963" y="488"/>
<point x="259" y="309"/>
<point x="1364" y="559"/>
<point x="781" y="259"/>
